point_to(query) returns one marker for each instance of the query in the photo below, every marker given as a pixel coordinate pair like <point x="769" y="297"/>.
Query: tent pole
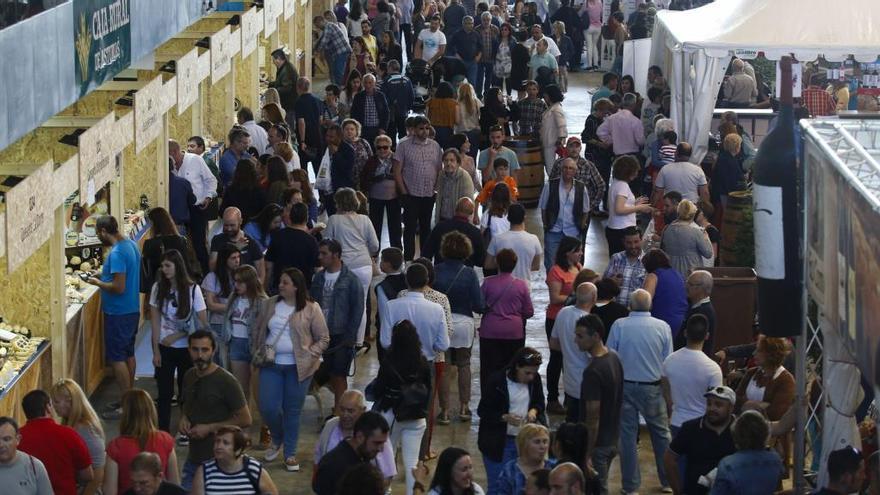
<point x="801" y="359"/>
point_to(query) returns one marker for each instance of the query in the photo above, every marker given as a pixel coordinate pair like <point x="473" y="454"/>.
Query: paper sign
<point x="64" y="180"/>
<point x="96" y="150"/>
<point x="234" y="43"/>
<point x="169" y="94"/>
<point x="147" y="114"/>
<point x="187" y="80"/>
<point x="797" y="79"/>
<point x="30" y="217"/>
<point x="124" y="131"/>
<point x="204" y="66"/>
<point x="271" y="10"/>
<point x="221" y="62"/>
<point x="251" y="25"/>
<point x="289" y="8"/>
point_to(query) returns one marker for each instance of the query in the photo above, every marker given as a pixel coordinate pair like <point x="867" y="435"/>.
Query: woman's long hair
<point x="221" y="270"/>
<point x="571" y="439"/>
<point x="442" y="481"/>
<point x="264" y="219"/>
<point x="248" y="276"/>
<point x="245" y="175"/>
<point x="81" y="411"/>
<point x="566" y="245"/>
<point x="499" y="201"/>
<point x="182" y="282"/>
<point x="161" y="222"/>
<point x="467" y="99"/>
<point x="139" y="418"/>
<point x="302" y="176"/>
<point x="405" y="354"/>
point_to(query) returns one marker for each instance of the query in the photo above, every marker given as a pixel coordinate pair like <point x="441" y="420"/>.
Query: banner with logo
<point x="102" y="41"/>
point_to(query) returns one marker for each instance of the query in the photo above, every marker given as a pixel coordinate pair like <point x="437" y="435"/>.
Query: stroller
<point x="419" y="73"/>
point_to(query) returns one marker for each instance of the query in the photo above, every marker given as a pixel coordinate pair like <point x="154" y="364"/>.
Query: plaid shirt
<point x="420" y="163"/>
<point x="818" y="101"/>
<point x="589" y="175"/>
<point x="333" y="41"/>
<point x="530" y="112"/>
<point x="633" y="273"/>
<point x="488" y="36"/>
<point x="371" y="115"/>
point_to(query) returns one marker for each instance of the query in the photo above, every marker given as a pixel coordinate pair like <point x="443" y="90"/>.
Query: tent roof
<point x="807" y="28"/>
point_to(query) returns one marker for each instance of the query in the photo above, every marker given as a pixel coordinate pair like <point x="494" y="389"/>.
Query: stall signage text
<point x="221" y="61"/>
<point x="96" y="148"/>
<point x="251" y="24"/>
<point x="187" y="80"/>
<point x="29" y="216"/>
<point x="147" y="113"/>
<point x="102" y="41"/>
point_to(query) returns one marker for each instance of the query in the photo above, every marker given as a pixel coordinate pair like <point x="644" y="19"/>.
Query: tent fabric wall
<point x="843" y="394"/>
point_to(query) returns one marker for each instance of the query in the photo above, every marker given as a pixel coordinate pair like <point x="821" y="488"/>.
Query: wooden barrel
<point x="530" y="176"/>
<point x="737" y="231"/>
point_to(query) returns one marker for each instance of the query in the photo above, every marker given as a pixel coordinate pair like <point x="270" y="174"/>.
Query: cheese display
<point x="16" y="349"/>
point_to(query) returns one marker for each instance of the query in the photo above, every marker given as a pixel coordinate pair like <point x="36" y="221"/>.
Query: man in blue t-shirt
<point x="120" y="302"/>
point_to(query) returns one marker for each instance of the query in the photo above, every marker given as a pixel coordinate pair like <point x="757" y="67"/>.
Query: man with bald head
<point x="464" y="211"/>
<point x="350" y="407"/>
<point x="233" y="235"/>
<point x="193" y="168"/>
<point x="567" y="479"/>
<point x="574" y="360"/>
<point x="699" y="290"/>
<point x="643" y="343"/>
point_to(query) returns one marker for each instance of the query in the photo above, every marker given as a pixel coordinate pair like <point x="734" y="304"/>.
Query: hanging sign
<point x="169" y="95"/>
<point x="289" y="8"/>
<point x="221" y="62"/>
<point x="797" y="79"/>
<point x="204" y="66"/>
<point x="234" y="42"/>
<point x="187" y="80"/>
<point x="124" y="132"/>
<point x="746" y="53"/>
<point x="271" y="10"/>
<point x="65" y="179"/>
<point x="102" y="41"/>
<point x="30" y="216"/>
<point x="96" y="165"/>
<point x="147" y="114"/>
<point x="251" y="25"/>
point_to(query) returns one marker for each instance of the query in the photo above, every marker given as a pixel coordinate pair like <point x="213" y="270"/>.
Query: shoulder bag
<point x="265" y="355"/>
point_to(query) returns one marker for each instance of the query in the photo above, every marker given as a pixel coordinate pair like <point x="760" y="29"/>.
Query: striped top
<point x="244" y="482"/>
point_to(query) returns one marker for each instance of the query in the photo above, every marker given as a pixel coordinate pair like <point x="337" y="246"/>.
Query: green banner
<point x="102" y="32"/>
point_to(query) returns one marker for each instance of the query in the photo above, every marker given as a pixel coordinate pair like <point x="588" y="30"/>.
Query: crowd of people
<point x="295" y="288"/>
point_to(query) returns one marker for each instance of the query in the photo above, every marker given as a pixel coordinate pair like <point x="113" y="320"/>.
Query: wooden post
<point x="58" y="301"/>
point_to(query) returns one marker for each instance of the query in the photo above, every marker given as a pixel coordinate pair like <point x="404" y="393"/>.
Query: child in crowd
<point x="502" y="174"/>
<point x="668" y="144"/>
<point x="530" y="109"/>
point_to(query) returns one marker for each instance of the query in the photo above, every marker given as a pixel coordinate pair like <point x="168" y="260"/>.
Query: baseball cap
<point x="573" y="139"/>
<point x="722" y="392"/>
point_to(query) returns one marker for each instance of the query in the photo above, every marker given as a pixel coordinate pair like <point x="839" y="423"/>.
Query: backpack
<point x="410" y="400"/>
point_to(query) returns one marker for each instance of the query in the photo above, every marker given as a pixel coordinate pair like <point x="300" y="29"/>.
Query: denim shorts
<point x="120" y="332"/>
<point x="240" y="349"/>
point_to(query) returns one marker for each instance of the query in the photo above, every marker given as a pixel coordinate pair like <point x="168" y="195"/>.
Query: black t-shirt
<point x="333" y="467"/>
<point x="292" y="248"/>
<point x="310" y="108"/>
<point x="165" y="488"/>
<point x="703" y="448"/>
<point x="249" y="248"/>
<point x="603" y="381"/>
<point x="609" y="313"/>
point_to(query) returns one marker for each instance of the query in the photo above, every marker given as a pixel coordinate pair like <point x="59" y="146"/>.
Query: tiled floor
<point x="576" y="106"/>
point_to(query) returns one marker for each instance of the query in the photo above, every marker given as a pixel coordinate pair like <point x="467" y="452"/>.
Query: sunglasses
<point x="531" y="359"/>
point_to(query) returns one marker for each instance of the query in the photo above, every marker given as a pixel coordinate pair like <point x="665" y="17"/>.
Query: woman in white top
<point x="217" y="287"/>
<point x="622" y="204"/>
<point x="293" y="327"/>
<point x="177" y="309"/>
<point x="244" y="305"/>
<point x="494" y="219"/>
<point x="467" y="116"/>
<point x="357" y="236"/>
<point x="454" y="474"/>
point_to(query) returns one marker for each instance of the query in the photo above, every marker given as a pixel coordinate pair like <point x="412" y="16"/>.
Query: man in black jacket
<point x="370" y="435"/>
<point x="464" y="211"/>
<point x="699" y="289"/>
<point x="370" y="108"/>
<point x="399" y="94"/>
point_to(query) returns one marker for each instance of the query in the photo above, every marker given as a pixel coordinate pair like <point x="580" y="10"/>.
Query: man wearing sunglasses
<point x="702" y="442"/>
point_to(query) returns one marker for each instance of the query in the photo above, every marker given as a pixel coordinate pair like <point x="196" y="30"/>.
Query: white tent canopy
<point x="695" y="46"/>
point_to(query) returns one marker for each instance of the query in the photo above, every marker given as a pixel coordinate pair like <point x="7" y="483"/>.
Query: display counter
<point x="31" y="374"/>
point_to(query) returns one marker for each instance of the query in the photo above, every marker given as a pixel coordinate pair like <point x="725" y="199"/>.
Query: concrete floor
<point x="459" y="434"/>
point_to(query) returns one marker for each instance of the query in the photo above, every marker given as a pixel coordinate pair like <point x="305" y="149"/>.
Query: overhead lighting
<point x="127" y="100"/>
<point x="204" y="43"/>
<point x="169" y="67"/>
<point x="72" y="139"/>
<point x="234" y="20"/>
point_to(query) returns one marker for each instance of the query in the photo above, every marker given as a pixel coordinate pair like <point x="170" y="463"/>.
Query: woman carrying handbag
<point x="286" y="345"/>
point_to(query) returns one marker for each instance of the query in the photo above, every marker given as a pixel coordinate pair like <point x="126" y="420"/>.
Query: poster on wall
<point x="96" y="150"/>
<point x="271" y="10"/>
<point x="289" y="8"/>
<point x="221" y="61"/>
<point x="251" y="25"/>
<point x="187" y="80"/>
<point x="30" y="216"/>
<point x="102" y="41"/>
<point x="148" y="114"/>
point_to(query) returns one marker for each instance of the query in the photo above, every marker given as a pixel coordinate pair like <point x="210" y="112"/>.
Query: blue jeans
<point x="281" y="400"/>
<point x="187" y="473"/>
<point x="470" y="71"/>
<point x="337" y="69"/>
<point x="647" y="400"/>
<point x="551" y="245"/>
<point x="493" y="469"/>
<point x="485" y="75"/>
<point x="602" y="457"/>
